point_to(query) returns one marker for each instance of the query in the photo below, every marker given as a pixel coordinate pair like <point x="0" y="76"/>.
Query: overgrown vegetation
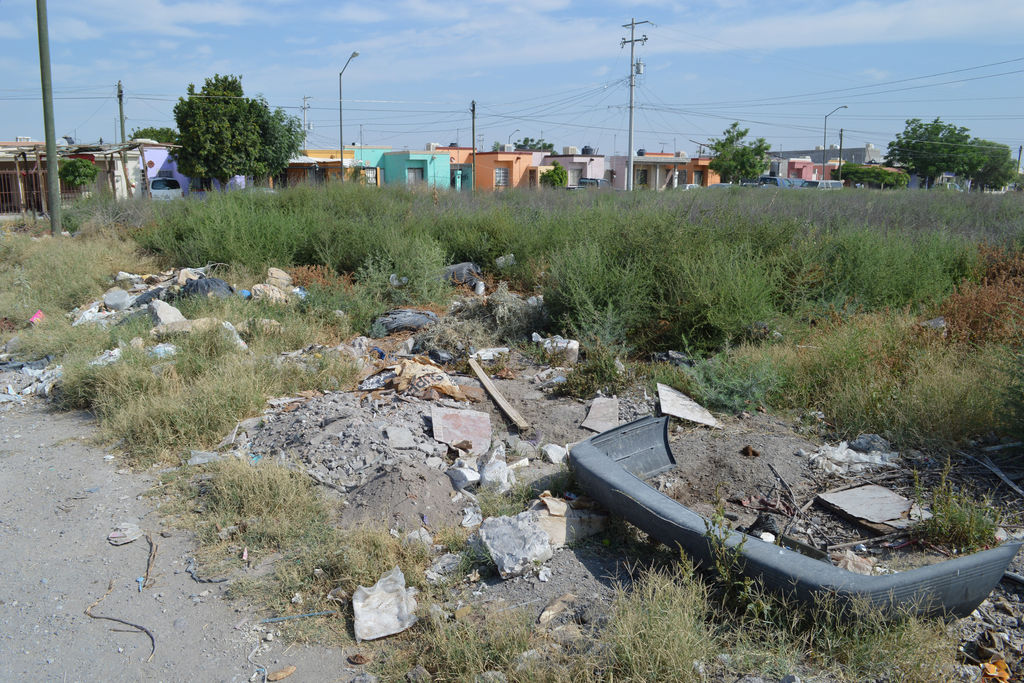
<point x="958" y="520"/>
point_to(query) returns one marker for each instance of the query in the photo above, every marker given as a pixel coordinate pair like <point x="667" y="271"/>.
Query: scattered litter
<point x="106" y="358"/>
<point x="269" y="293"/>
<point x="853" y="563"/>
<point x="385" y="608"/>
<point x="875" y="504"/>
<point x="124" y="532"/>
<point x="558" y="344"/>
<point x="207" y="286"/>
<point x="544" y="575"/>
<point x="515" y="543"/>
<point x="466" y="273"/>
<point x="421" y="536"/>
<point x="867" y="443"/>
<point x="844" y="460"/>
<point x="37" y="317"/>
<point x="274" y="620"/>
<point x="441" y="357"/>
<point x="495" y="472"/>
<point x="678" y="404"/>
<point x="503" y="262"/>
<point x="471" y="517"/>
<point x="401" y="319"/>
<point x="164" y="350"/>
<point x="203" y="457"/>
<point x="281" y="674"/>
<point x="190" y="569"/>
<point x="502" y="402"/>
<point x="672" y="358"/>
<point x="452" y="426"/>
<point x="490" y="354"/>
<point x="566" y="522"/>
<point x="443" y="567"/>
<point x="603" y="415"/>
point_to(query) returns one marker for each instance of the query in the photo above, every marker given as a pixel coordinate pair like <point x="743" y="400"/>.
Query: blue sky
<point x="540" y="68"/>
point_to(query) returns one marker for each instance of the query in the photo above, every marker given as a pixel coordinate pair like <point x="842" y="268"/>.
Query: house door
<point x="414" y="176"/>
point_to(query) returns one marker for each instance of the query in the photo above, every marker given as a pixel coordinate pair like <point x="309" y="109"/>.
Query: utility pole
<point x="120" y="108"/>
<point x="1019" y="150"/>
<point x="840" y="155"/>
<point x="52" y="179"/>
<point x="633" y="40"/>
<point x="472" y="110"/>
<point x="305" y="127"/>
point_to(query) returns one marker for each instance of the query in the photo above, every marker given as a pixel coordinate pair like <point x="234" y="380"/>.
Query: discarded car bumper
<point x="611" y="467"/>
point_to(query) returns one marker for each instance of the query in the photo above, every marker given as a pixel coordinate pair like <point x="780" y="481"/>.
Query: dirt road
<point x="59" y="499"/>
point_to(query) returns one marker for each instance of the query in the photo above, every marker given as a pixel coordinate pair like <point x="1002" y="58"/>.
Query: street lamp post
<point x="511" y="134"/>
<point x="341" y="127"/>
<point x="824" y="140"/>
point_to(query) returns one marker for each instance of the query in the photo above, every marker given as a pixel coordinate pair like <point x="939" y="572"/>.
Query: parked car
<point x="823" y="184"/>
<point x="594" y="183"/>
<point x="774" y="181"/>
<point x="165" y="188"/>
<point x="690" y="186"/>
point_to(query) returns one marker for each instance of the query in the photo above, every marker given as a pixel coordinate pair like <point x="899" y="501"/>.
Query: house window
<point x="501" y="177"/>
<point x="641" y="177"/>
<point x="370" y="174"/>
<point x="414" y="176"/>
<point x="574" y="176"/>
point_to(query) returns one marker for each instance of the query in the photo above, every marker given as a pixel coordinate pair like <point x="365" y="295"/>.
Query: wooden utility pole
<point x="52" y="177"/>
<point x="840" y="155"/>
<point x="472" y="110"/>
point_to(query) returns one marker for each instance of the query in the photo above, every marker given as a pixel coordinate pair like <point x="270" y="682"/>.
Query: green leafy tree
<point x="163" y="134"/>
<point x="931" y="149"/>
<point x="556" y="176"/>
<point x="535" y="144"/>
<point x="223" y="133"/>
<point x="282" y="139"/>
<point x="992" y="164"/>
<point x="77" y="172"/>
<point x="872" y="176"/>
<point x="735" y="159"/>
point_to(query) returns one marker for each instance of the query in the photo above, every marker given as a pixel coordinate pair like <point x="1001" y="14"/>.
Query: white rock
<point x="443" y="567"/>
<point x="385" y="608"/>
<point x="117" y="299"/>
<point x="515" y="543"/>
<point x="497" y="475"/>
<point x="163" y="313"/>
<point x="462" y="477"/>
<point x="421" y="535"/>
<point x="554" y="453"/>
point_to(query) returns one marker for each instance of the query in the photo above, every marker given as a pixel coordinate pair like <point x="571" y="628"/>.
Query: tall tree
<point x="282" y="139"/>
<point x="219" y="131"/>
<point x="556" y="176"/>
<point x="735" y="159"/>
<point x="537" y="144"/>
<point x="163" y="134"/>
<point x="931" y="149"/>
<point x="993" y="164"/>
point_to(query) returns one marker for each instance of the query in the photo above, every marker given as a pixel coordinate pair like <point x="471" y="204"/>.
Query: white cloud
<point x="356" y="13"/>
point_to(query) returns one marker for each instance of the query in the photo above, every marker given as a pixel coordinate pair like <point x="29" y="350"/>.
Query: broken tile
<point x="603" y="415"/>
<point x="452" y="426"/>
<point x="678" y="404"/>
<point x="876" y="504"/>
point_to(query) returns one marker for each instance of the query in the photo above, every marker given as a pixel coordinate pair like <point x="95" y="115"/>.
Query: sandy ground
<point x="59" y="498"/>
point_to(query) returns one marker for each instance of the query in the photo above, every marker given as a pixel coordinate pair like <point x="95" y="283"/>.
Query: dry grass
<point x="988" y="310"/>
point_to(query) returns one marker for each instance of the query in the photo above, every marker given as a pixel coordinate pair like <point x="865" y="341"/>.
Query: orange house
<point x="503" y="170"/>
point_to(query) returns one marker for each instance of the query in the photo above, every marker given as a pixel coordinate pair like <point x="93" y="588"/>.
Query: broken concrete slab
<point x="678" y="404"/>
<point x="554" y="453"/>
<point x="497" y="475"/>
<point x="462" y="477"/>
<point x="875" y="504"/>
<point x="564" y="524"/>
<point x="603" y="415"/>
<point x="515" y="543"/>
<point x="452" y="426"/>
<point x="400" y="437"/>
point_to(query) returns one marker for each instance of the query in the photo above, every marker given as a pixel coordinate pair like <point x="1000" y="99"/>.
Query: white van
<point x="165" y="188"/>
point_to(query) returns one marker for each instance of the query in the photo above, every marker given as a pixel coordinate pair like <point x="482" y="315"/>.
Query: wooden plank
<point x="505" y="406"/>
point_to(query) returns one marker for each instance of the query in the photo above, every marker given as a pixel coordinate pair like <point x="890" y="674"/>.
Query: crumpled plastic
<point x="386" y="608"/>
<point x="842" y="459"/>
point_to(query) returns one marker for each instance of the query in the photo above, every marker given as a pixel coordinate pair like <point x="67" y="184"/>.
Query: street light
<point x="511" y="134"/>
<point x="824" y="138"/>
<point x="341" y="128"/>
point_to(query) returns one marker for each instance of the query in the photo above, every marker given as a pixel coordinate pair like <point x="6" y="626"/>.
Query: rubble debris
<point x="495" y="472"/>
<point x="490" y="354"/>
<point x="841" y="459"/>
<point x="462" y="477"/>
<point x="466" y="273"/>
<point x="505" y="261"/>
<point x="443" y="567"/>
<point x="420" y="535"/>
<point x="678" y="404"/>
<point x="117" y="299"/>
<point x="471" y="517"/>
<point x="203" y="457"/>
<point x="399" y="437"/>
<point x="108" y="357"/>
<point x="400" y="319"/>
<point x="92" y="314"/>
<point x="875" y="504"/>
<point x="405" y="495"/>
<point x="558" y="344"/>
<point x="452" y="426"/>
<point x="164" y="314"/>
<point x="866" y="443"/>
<point x="554" y="453"/>
<point x="424" y="380"/>
<point x="270" y="293"/>
<point x="680" y="360"/>
<point x="603" y="415"/>
<point x="502" y="402"/>
<point x="441" y="357"/>
<point x="564" y="522"/>
<point x="278" y="278"/>
<point x="385" y="608"/>
<point x="515" y="543"/>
